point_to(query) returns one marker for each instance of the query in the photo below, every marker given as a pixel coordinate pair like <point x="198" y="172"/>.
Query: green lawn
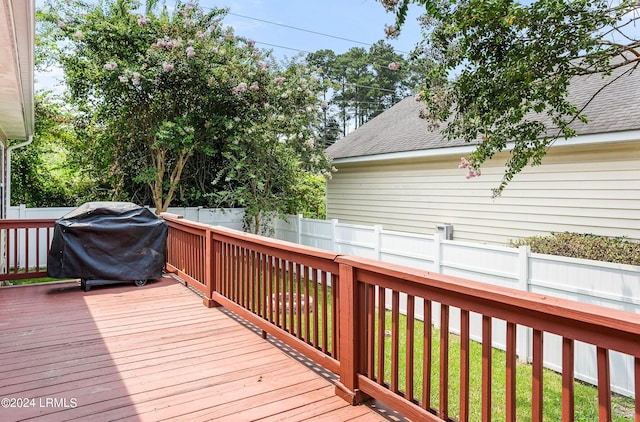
<point x="35" y="280"/>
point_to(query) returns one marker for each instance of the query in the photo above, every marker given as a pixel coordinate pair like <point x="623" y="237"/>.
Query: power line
<point x="303" y="30"/>
<point x="286" y="48"/>
<point x="300" y="29"/>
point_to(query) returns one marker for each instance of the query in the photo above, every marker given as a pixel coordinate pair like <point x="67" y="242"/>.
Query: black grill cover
<point x="108" y="241"/>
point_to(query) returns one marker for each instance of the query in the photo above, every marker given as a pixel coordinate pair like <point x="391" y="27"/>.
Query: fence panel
<point x="357" y="240"/>
<point x="317" y="233"/>
<point x="417" y="251"/>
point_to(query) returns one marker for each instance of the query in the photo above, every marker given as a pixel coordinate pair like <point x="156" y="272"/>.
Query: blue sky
<point x="357" y="20"/>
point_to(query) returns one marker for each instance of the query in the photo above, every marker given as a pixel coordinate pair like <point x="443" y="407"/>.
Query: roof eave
<point x="598" y="138"/>
<point x="17" y="17"/>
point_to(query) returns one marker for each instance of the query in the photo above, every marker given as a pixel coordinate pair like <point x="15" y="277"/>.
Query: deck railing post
<point x="349" y="329"/>
<point x="212" y="266"/>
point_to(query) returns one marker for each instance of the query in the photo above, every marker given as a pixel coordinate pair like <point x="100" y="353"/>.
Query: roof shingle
<point x="400" y="129"/>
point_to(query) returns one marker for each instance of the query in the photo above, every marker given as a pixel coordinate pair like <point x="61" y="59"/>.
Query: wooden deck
<point x="151" y="353"/>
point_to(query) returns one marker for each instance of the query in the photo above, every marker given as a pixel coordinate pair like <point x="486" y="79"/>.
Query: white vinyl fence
<point x="227" y="217"/>
<point x="600" y="283"/>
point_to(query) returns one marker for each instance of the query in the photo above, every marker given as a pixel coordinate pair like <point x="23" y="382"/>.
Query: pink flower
<point x="251" y="43"/>
<point x="394" y="66"/>
<point x="111" y="65"/>
<point x="143" y="21"/>
<point x="79" y="35"/>
<point x="242" y="87"/>
<point x="123" y="79"/>
<point x="62" y="25"/>
<point x="191" y="52"/>
<point x="167" y="67"/>
<point x="254" y="86"/>
<point x="279" y="80"/>
<point x="418" y="97"/>
<point x="256" y="54"/>
<point x="466" y="164"/>
<point x="136" y="78"/>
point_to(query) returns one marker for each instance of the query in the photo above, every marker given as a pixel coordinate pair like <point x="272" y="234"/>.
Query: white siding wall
<point x="584" y="189"/>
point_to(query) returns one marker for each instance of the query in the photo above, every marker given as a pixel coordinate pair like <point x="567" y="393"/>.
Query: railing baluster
<point x="307" y="305"/>
<point x="371" y="330"/>
<point x="253" y="285"/>
<point x="636" y="365"/>
<point x="335" y="314"/>
<point x="537" y="374"/>
<point x="395" y="339"/>
<point x="464" y="365"/>
<point x="290" y="297"/>
<point x="37" y="249"/>
<point x="16" y="253"/>
<point x="604" y="385"/>
<point x="325" y="314"/>
<point x="26" y="248"/>
<point x="487" y="362"/>
<point x="362" y="317"/>
<point x="511" y="373"/>
<point x="444" y="362"/>
<point x="427" y="351"/>
<point x="277" y="295"/>
<point x="316" y="304"/>
<point x="568" y="400"/>
<point x="410" y="339"/>
<point x="381" y="333"/>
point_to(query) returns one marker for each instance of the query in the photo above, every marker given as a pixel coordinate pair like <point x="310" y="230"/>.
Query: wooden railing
<point x="345" y="313"/>
<point x="287" y="290"/>
<point x="24" y="248"/>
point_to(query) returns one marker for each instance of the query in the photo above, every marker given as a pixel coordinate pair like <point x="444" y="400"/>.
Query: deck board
<point x="153" y="353"/>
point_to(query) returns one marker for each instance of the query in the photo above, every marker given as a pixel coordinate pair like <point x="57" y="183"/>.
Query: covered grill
<point x="107" y="242"/>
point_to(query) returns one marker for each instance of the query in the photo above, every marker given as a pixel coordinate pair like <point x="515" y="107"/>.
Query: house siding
<point x="585" y="189"/>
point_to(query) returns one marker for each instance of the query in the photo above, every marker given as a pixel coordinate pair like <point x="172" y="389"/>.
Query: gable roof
<point x="400" y="129"/>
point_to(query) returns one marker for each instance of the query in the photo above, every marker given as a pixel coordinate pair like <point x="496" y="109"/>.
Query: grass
<point x="34" y="280"/>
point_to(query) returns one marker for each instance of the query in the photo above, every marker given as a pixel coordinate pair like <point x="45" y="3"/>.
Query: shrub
<point x="585" y="246"/>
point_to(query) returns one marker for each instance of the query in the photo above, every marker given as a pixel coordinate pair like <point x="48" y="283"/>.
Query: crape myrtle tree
<point x="157" y="86"/>
<point x="496" y="67"/>
<point x="275" y="144"/>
